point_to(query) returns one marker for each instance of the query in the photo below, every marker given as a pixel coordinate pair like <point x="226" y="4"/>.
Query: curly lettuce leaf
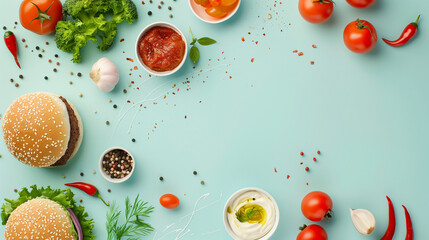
<point x="62" y="197"/>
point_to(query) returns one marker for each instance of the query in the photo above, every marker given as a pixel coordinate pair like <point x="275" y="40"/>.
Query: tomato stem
<point x="329" y="215"/>
<point x="361" y="25"/>
<point x="323" y="1"/>
<point x="303" y="227"/>
<point x="42" y="15"/>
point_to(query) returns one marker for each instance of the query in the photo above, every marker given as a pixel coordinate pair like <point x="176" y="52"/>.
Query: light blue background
<point x="368" y="115"/>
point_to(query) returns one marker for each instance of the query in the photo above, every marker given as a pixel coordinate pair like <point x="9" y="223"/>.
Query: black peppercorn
<point x="56" y="55"/>
<point x="161" y="178"/>
<point x="46" y="77"/>
<point x="117" y="163"/>
<point x="21" y="76"/>
<point x="79" y="74"/>
<point x="149" y="13"/>
<point x="115" y="106"/>
<point x="37" y="48"/>
<point x="81" y="174"/>
<point x="133" y="140"/>
<point x="195" y="173"/>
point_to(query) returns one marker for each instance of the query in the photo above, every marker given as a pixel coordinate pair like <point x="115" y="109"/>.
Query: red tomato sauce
<point x="162" y="49"/>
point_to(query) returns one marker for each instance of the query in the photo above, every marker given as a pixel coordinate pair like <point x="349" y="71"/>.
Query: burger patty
<point x="74" y="135"/>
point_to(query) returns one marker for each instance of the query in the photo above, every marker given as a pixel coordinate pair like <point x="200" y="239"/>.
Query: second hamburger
<point x="42" y="129"/>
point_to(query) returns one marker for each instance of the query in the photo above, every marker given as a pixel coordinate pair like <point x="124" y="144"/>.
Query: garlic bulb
<point x="363" y="220"/>
<point x="105" y="74"/>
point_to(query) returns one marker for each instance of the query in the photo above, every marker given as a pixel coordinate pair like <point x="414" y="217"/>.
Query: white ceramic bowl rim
<point x="141" y="35"/>
<point x="214" y="21"/>
<point x="239" y="192"/>
<point x="107" y="177"/>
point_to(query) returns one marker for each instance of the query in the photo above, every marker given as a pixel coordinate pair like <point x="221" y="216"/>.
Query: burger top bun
<point x="39" y="219"/>
<point x="36" y="129"/>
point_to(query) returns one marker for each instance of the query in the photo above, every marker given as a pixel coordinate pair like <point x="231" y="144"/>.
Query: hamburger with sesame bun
<point x="42" y="129"/>
<point x="45" y="213"/>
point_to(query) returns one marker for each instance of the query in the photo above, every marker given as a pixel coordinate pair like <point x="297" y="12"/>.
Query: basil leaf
<point x="194" y="54"/>
<point x="205" y="41"/>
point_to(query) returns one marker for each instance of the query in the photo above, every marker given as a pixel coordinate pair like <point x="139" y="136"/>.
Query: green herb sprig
<point x="195" y="52"/>
<point x="134" y="227"/>
<point x="247" y="215"/>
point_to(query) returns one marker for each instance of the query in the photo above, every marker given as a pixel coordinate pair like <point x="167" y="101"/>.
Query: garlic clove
<point x="363" y="220"/>
<point x="105" y="74"/>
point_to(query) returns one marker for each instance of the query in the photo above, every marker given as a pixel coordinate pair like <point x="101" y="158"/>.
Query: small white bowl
<point x="107" y="177"/>
<point x="143" y="33"/>
<point x="233" y="197"/>
<point x="200" y="12"/>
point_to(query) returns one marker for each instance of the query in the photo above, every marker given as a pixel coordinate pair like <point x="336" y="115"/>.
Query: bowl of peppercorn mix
<point x="116" y="165"/>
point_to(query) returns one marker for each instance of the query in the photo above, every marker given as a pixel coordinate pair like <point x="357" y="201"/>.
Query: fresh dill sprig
<point x="134" y="226"/>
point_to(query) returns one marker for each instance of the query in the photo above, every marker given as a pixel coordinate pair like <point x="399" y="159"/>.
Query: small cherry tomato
<point x="204" y="3"/>
<point x="227" y="3"/>
<point x="361" y="3"/>
<point x="316" y="11"/>
<point x="220" y="12"/>
<point x="312" y="232"/>
<point x="216" y="3"/>
<point x="40" y="16"/>
<point x="216" y="12"/>
<point x="316" y="206"/>
<point x="360" y="36"/>
<point x="169" y="201"/>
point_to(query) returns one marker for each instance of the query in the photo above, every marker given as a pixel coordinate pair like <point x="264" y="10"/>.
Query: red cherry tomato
<point x="204" y="3"/>
<point x="43" y="18"/>
<point x="220" y="12"/>
<point x="312" y="232"/>
<point x="216" y="3"/>
<point x="169" y="201"/>
<point x="360" y="36"/>
<point x="216" y="12"/>
<point x="316" y="11"/>
<point x="361" y="3"/>
<point x="227" y="3"/>
<point x="316" y="206"/>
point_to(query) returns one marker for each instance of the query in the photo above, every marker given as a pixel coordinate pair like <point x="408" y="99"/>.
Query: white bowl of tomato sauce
<point x="161" y="48"/>
<point x="207" y="12"/>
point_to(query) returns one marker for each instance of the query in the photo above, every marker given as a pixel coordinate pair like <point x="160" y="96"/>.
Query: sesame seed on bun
<point x="42" y="129"/>
<point x="40" y="218"/>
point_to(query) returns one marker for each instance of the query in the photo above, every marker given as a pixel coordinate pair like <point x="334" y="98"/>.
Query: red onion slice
<point x="76" y="224"/>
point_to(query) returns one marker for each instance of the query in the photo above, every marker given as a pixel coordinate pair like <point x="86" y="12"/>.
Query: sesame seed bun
<point x="40" y="219"/>
<point x="42" y="129"/>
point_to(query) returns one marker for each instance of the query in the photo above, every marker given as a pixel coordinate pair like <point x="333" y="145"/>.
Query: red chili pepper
<point x="88" y="188"/>
<point x="409" y="32"/>
<point x="392" y="222"/>
<point x="10" y="40"/>
<point x="410" y="232"/>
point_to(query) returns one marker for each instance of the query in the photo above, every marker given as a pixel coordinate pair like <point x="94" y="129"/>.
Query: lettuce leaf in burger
<point x="42" y="213"/>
